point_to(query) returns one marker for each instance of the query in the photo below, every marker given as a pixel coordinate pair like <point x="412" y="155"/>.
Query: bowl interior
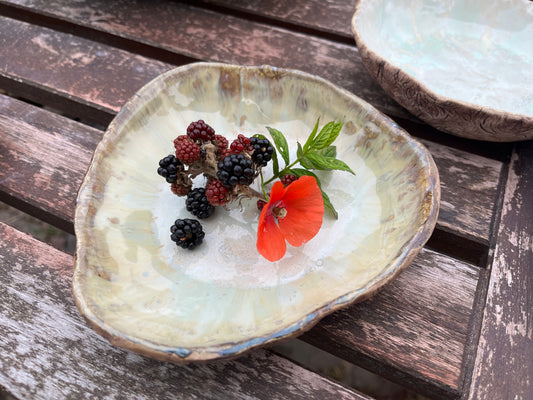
<point x="475" y="51"/>
<point x="132" y="282"/>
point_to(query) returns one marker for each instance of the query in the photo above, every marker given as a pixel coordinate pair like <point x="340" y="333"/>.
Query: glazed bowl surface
<point x="462" y="66"/>
<point x="140" y="291"/>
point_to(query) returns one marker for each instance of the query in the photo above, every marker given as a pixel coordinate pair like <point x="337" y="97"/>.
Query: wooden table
<point x="458" y="323"/>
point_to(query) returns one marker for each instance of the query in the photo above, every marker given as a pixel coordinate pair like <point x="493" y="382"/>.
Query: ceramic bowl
<point x="463" y="66"/>
<point x="142" y="292"/>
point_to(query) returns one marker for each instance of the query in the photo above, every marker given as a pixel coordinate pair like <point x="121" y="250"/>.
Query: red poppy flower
<point x="293" y="213"/>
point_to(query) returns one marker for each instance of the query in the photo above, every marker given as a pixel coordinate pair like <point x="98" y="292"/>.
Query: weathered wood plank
<point x="416" y="328"/>
<point x="205" y="35"/>
<point x="332" y="17"/>
<point x="43" y="158"/>
<point x="82" y="78"/>
<point x="48" y="352"/>
<point x="504" y="363"/>
<point x="469" y="188"/>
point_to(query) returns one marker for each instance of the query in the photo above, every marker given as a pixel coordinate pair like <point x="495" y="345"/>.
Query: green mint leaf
<point x="301" y="172"/>
<point x="328" y="163"/>
<point x="275" y="164"/>
<point x="328" y="205"/>
<point x="330" y="151"/>
<point x="280" y="143"/>
<point x="311" y="137"/>
<point x="327" y="135"/>
<point x="302" y="159"/>
<point x="327" y="202"/>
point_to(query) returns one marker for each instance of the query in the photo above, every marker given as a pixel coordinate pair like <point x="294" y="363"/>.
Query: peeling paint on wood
<point x="87" y="72"/>
<point x="504" y="363"/>
<point x="469" y="191"/>
<point x="48" y="352"/>
<point x="314" y="14"/>
<point x="43" y="158"/>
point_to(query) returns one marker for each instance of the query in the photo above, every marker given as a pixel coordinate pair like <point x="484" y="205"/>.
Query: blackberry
<point x="169" y="167"/>
<point x="288" y="179"/>
<point x="215" y="192"/>
<point x="187" y="233"/>
<point x="221" y="142"/>
<point x="262" y="151"/>
<point x="186" y="150"/>
<point x="224" y="153"/>
<point x="180" y="189"/>
<point x="242" y="143"/>
<point x="235" y="169"/>
<point x="261" y="204"/>
<point x="198" y="205"/>
<point x="199" y="130"/>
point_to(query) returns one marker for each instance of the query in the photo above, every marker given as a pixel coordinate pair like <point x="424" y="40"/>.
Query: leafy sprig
<point x="317" y="153"/>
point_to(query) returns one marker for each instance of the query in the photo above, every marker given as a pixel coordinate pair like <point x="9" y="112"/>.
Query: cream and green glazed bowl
<point x="462" y="66"/>
<point x="139" y="290"/>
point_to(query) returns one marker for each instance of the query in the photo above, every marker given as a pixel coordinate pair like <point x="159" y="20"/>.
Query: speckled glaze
<point x="140" y="291"/>
<point x="463" y="66"/>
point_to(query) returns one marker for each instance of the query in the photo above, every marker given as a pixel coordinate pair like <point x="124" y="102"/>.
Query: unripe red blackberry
<point x="198" y="205"/>
<point x="186" y="150"/>
<point x="187" y="233"/>
<point x="235" y="169"/>
<point x="180" y="189"/>
<point x="262" y="151"/>
<point x="288" y="179"/>
<point x="169" y="167"/>
<point x="221" y="142"/>
<point x="261" y="204"/>
<point x="216" y="192"/>
<point x="224" y="153"/>
<point x="199" y="130"/>
<point x="241" y="144"/>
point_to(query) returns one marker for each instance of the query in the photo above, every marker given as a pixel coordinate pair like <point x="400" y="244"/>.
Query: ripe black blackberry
<point x="187" y="233"/>
<point x="197" y="203"/>
<point x="169" y="167"/>
<point x="235" y="169"/>
<point x="199" y="130"/>
<point x="262" y="151"/>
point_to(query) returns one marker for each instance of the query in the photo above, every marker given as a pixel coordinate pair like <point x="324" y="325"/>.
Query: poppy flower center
<point x="279" y="211"/>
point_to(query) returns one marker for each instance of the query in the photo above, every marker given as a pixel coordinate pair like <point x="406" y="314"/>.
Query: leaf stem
<point x="281" y="173"/>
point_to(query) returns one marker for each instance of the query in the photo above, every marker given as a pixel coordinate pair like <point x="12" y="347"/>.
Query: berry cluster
<point x="230" y="168"/>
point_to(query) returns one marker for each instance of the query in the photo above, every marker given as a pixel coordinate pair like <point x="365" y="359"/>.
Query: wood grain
<point x="415" y="329"/>
<point x="82" y="78"/>
<point x="205" y="35"/>
<point x="331" y="17"/>
<point x="504" y="363"/>
<point x="43" y="158"/>
<point x="469" y="185"/>
<point x="48" y="352"/>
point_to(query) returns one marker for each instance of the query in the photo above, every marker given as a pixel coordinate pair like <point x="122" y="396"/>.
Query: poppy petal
<point x="305" y="209"/>
<point x="270" y="241"/>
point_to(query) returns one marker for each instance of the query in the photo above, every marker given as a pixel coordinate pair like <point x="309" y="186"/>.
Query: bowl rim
<point x="465" y="105"/>
<point x="404" y="257"/>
